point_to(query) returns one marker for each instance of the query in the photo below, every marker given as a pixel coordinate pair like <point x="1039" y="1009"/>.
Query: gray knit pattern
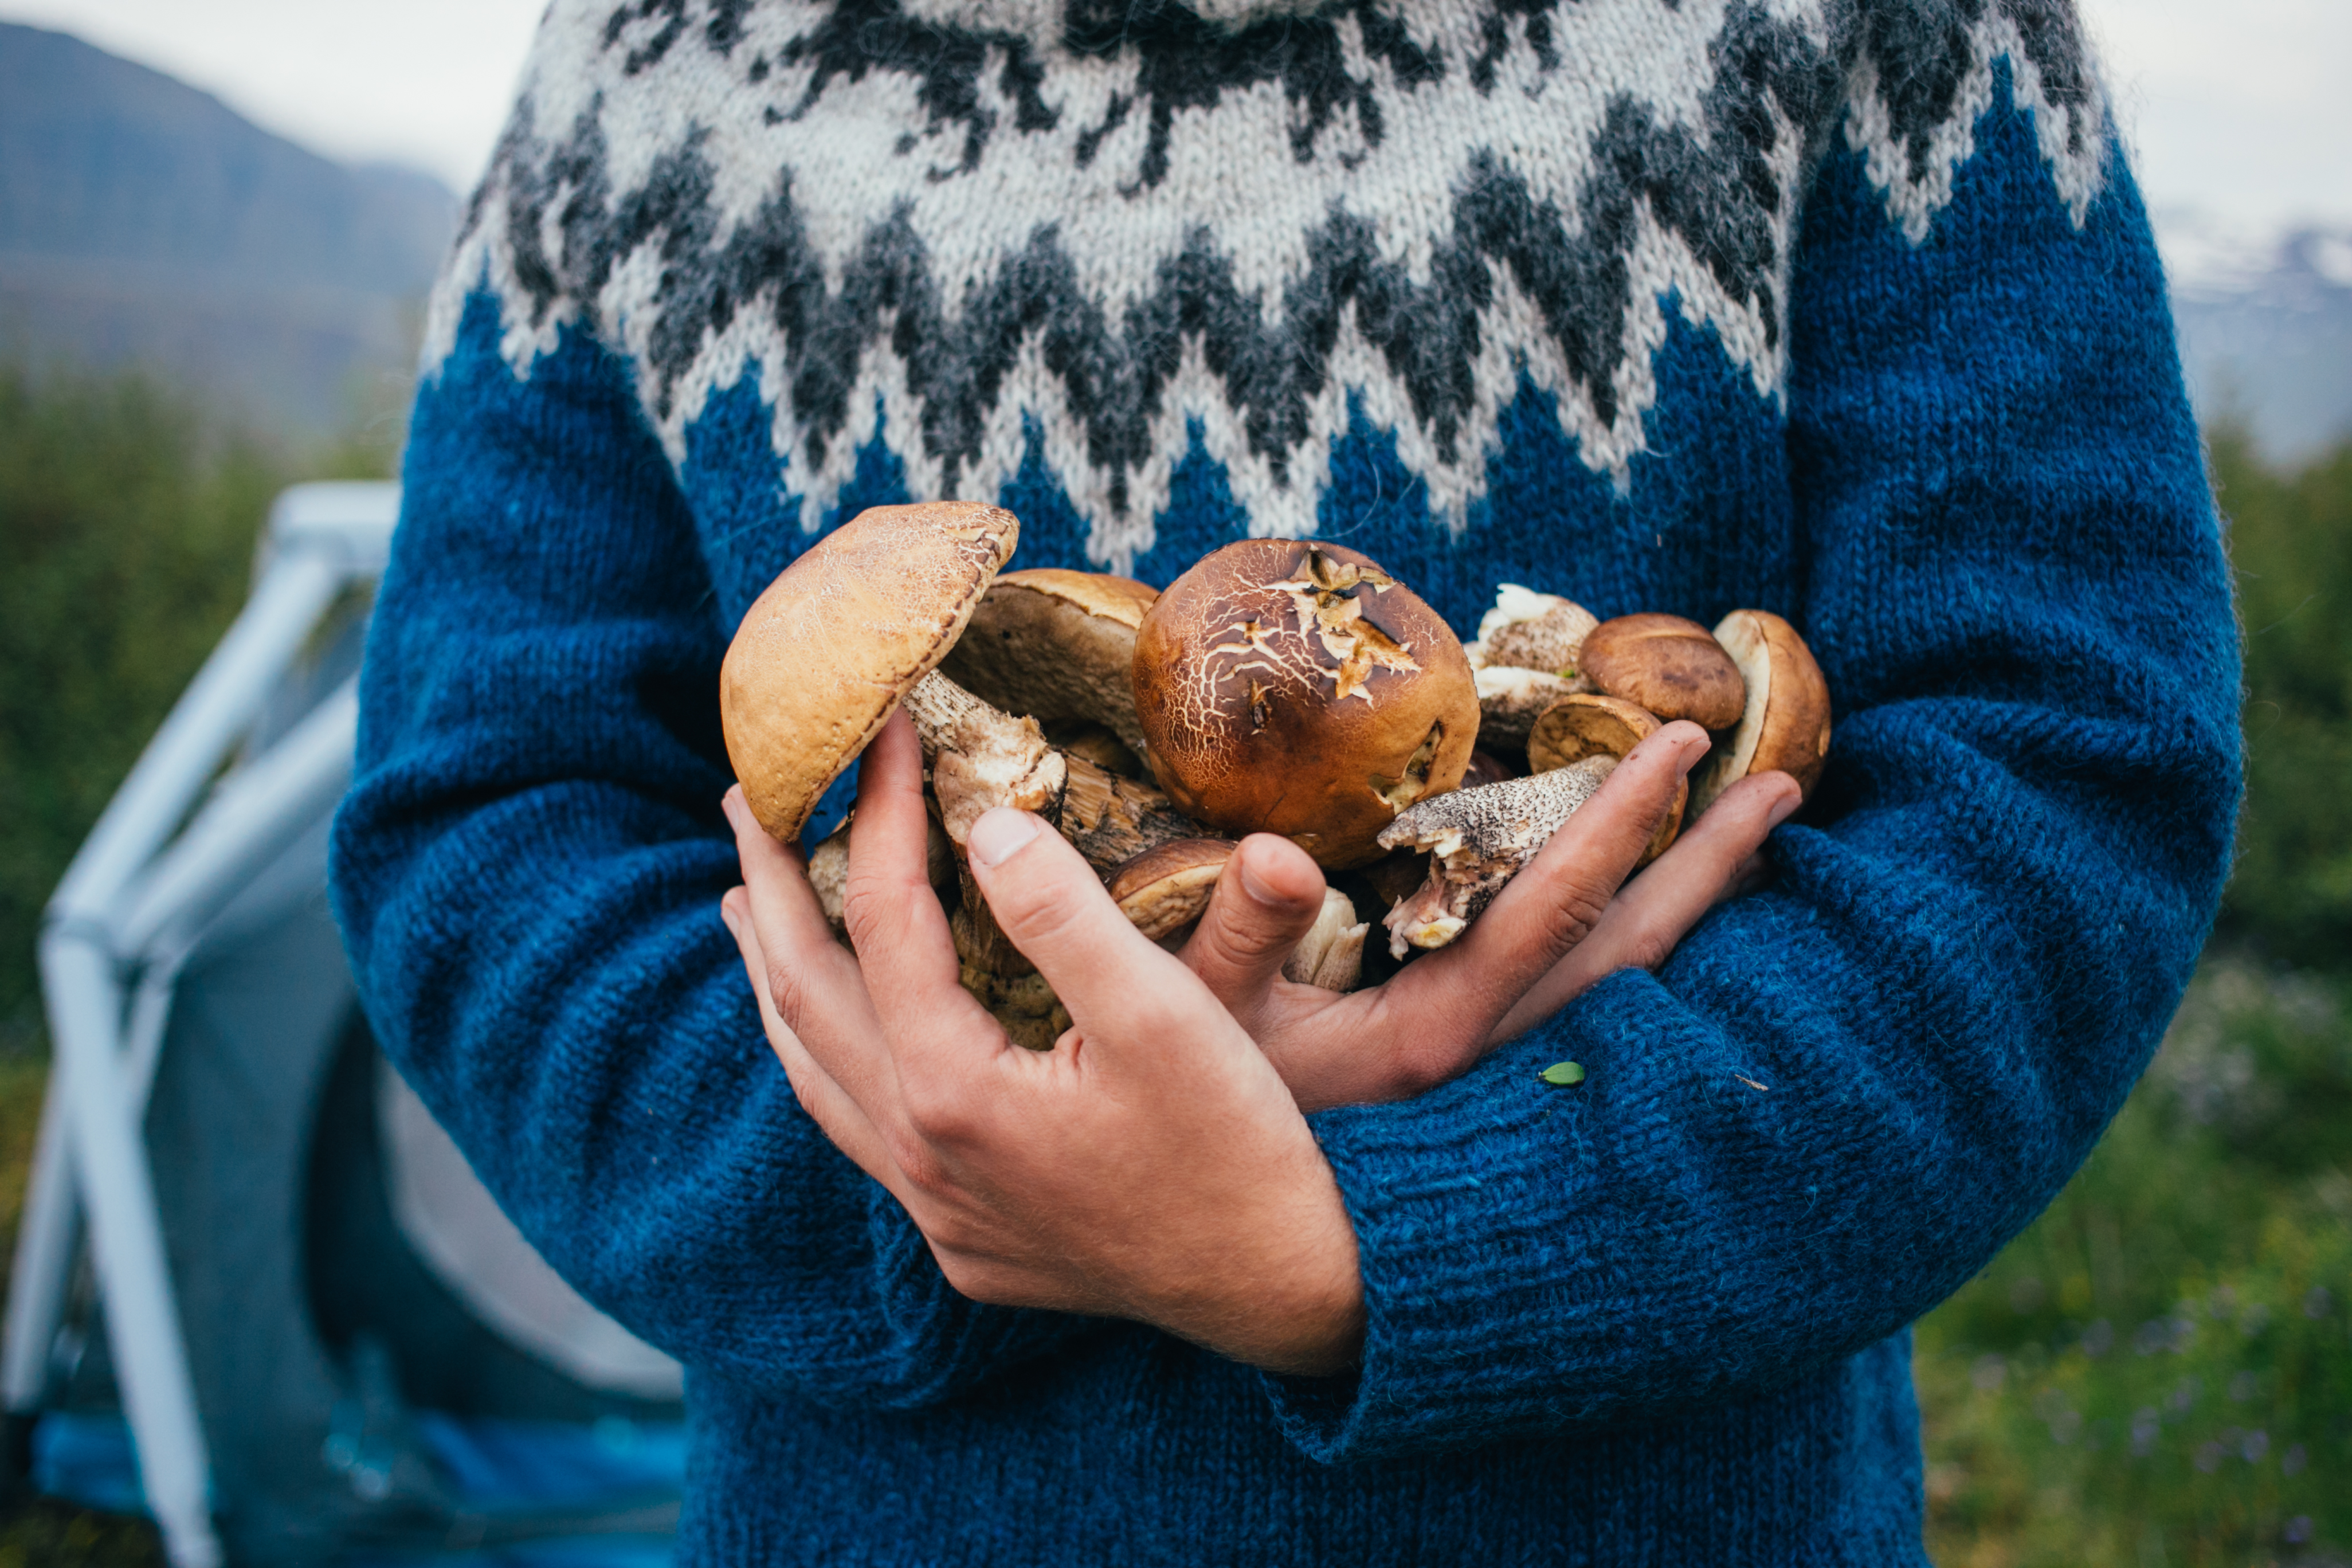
<point x="1105" y="231"/>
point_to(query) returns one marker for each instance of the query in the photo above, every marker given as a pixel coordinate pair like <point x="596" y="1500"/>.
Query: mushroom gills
<point x="1478" y="840"/>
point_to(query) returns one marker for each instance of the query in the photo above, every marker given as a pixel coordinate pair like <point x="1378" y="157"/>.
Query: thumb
<point x="1268" y="897"/>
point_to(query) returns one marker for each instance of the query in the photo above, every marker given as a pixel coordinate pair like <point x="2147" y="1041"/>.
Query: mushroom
<point x="1290" y="687"/>
<point x="840" y="636"/>
<point x="1510" y="700"/>
<point x="1332" y="954"/>
<point x="1576" y="728"/>
<point x="1057" y="645"/>
<point x="1527" y="630"/>
<point x="1478" y="839"/>
<point x="1786" y="723"/>
<point x="1167" y="889"/>
<point x="1667" y="664"/>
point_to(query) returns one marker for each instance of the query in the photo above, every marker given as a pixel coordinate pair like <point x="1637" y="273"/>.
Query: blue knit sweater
<point x="1845" y="310"/>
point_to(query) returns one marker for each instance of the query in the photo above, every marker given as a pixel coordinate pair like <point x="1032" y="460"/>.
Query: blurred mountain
<point x="2265" y="330"/>
<point x="142" y="222"/>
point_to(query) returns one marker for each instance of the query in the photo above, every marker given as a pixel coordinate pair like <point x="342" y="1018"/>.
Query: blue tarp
<point x="88" y="1460"/>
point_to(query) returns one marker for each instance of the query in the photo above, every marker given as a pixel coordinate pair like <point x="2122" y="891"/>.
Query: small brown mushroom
<point x="1786" y="724"/>
<point x="1578" y="726"/>
<point x="1527" y="630"/>
<point x="1291" y="687"/>
<point x="1667" y="664"/>
<point x="1055" y="646"/>
<point x="1167" y="889"/>
<point x="1479" y="838"/>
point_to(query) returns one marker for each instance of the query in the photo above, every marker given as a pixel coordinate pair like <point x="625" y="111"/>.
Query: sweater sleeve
<point x="1841" y="1097"/>
<point x="527" y="869"/>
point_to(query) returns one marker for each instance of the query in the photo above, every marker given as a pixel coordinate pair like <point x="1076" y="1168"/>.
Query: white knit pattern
<point x="1230" y="169"/>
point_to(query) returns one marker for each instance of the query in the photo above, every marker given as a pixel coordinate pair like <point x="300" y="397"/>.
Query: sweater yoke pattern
<point x="981" y="231"/>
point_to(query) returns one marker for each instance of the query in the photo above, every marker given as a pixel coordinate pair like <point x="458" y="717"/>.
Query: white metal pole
<point x="45" y="1237"/>
<point x="142" y="1322"/>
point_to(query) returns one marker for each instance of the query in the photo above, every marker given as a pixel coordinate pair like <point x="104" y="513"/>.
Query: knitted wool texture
<point x="1847" y="311"/>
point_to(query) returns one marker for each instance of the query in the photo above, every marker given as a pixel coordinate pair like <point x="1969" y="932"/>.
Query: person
<point x="1846" y="311"/>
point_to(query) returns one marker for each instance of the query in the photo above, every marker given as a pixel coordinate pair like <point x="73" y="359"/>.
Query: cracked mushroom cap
<point x="1291" y="687"/>
<point x="1786" y="723"/>
<point x="1056" y="645"/>
<point x="841" y="635"/>
<point x="1667" y="664"/>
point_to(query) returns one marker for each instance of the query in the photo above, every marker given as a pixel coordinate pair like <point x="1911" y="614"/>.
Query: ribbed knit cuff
<point x="1481" y="1299"/>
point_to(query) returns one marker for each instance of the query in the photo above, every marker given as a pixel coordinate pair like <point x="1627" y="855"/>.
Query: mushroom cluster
<point x="1022" y="686"/>
<point x="1279" y="685"/>
<point x="1578" y="693"/>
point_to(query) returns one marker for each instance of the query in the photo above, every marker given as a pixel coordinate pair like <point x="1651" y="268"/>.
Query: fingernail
<point x="999" y="834"/>
<point x="1255" y="885"/>
<point x="1784" y="808"/>
<point x="730" y="802"/>
<point x="727" y="916"/>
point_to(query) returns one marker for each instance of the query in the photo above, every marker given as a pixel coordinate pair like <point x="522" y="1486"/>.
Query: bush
<point x="2160" y="1370"/>
<point x="2291" y="540"/>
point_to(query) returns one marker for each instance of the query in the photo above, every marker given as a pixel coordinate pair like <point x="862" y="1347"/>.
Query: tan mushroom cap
<point x="1581" y="726"/>
<point x="1667" y="664"/>
<point x="841" y="635"/>
<point x="1166" y="888"/>
<point x="1528" y="630"/>
<point x="1054" y="645"/>
<point x="1578" y="729"/>
<point x="1786" y="724"/>
<point x="1293" y="687"/>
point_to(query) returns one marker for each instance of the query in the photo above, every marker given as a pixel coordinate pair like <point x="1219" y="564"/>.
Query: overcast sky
<point x="2239" y="111"/>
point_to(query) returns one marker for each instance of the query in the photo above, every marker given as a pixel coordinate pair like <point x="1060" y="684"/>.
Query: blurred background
<point x="218" y="219"/>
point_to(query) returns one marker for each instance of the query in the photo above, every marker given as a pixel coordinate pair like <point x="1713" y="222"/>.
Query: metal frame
<point x="131" y="909"/>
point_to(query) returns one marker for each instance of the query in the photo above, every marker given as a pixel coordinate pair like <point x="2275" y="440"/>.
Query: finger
<point x="836" y="1114"/>
<point x="1558" y="899"/>
<point x="813" y="987"/>
<point x="1658" y="909"/>
<point x="1054" y="909"/>
<point x="1268" y="897"/>
<point x="894" y="917"/>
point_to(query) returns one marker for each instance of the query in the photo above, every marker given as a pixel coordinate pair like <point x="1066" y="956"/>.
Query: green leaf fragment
<point x="1563" y="1073"/>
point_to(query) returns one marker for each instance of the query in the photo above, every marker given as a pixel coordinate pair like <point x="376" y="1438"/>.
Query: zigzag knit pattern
<point x="1117" y="231"/>
<point x="1846" y="309"/>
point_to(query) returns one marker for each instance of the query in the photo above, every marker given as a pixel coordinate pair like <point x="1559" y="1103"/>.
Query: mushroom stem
<point x="982" y="757"/>
<point x="1478" y="839"/>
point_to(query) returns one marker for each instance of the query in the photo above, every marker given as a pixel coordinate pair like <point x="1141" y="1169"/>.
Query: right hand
<point x="1566" y="922"/>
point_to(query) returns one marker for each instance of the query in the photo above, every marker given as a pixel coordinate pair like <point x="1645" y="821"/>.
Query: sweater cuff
<point x="1480" y="1302"/>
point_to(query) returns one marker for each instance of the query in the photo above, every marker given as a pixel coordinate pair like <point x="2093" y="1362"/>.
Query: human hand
<point x="1153" y="1165"/>
<point x="1567" y="921"/>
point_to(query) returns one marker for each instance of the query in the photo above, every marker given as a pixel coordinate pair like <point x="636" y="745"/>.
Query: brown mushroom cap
<point x="1290" y="687"/>
<point x="1667" y="664"/>
<point x="1575" y="728"/>
<point x="1786" y="724"/>
<point x="1166" y="888"/>
<point x="835" y="642"/>
<point x="1054" y="645"/>
<point x="1578" y="729"/>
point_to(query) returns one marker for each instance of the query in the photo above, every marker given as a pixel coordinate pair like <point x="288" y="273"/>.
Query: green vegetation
<point x="127" y="528"/>
<point x="2159" y="1372"/>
